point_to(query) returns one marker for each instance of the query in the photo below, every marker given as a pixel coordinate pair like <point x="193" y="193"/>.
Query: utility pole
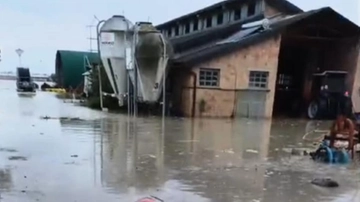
<point x="98" y="67"/>
<point x="91" y="38"/>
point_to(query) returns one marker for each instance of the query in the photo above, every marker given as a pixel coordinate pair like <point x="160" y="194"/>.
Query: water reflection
<point x="132" y="154"/>
<point x="205" y="159"/>
<point x="108" y="157"/>
<point x="85" y="126"/>
<point x="221" y="167"/>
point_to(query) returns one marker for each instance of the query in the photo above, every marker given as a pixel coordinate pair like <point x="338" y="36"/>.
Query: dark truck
<point x="24" y="82"/>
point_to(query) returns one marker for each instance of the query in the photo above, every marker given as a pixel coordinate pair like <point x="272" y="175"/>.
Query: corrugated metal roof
<point x="202" y="37"/>
<point x="244" y="38"/>
<point x="281" y="4"/>
<point x="240" y="35"/>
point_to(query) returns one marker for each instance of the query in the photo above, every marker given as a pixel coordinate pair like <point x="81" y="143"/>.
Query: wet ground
<point x="107" y="157"/>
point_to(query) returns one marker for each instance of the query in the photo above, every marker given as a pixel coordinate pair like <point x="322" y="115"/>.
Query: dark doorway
<point x="290" y="79"/>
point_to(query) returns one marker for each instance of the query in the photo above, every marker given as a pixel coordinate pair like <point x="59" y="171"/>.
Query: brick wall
<point x="234" y="75"/>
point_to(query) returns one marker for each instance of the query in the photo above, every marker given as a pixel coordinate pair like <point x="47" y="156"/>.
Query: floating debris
<point x="229" y="151"/>
<point x="325" y="182"/>
<point x="187" y="141"/>
<point x="17" y="158"/>
<point x="151" y="156"/>
<point x="7" y="150"/>
<point x="296" y="152"/>
<point x="71" y="163"/>
<point x="62" y="118"/>
<point x="252" y="151"/>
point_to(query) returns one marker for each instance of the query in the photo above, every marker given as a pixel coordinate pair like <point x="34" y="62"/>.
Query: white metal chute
<point x="115" y="40"/>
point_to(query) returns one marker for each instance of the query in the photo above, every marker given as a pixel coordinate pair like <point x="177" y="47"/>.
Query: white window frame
<point x="257" y="80"/>
<point x="208" y="79"/>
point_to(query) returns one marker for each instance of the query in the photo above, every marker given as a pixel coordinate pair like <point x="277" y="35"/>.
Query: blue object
<point x="326" y="143"/>
<point x="331" y="155"/>
<point x="342" y="156"/>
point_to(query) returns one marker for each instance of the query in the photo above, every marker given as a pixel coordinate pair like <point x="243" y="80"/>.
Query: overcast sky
<point x="40" y="27"/>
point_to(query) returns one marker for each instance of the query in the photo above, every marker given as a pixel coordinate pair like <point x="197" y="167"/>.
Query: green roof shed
<point x="70" y="65"/>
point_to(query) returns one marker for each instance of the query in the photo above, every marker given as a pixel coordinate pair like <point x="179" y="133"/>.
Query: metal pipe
<point x="164" y="75"/>
<point x="135" y="73"/>
<point x="127" y="71"/>
<point x="164" y="93"/>
<point x="193" y="104"/>
<point x="98" y="67"/>
<point x="128" y="93"/>
<point x="133" y="69"/>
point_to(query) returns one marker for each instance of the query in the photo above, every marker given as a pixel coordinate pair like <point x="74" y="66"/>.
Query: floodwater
<point x="108" y="157"/>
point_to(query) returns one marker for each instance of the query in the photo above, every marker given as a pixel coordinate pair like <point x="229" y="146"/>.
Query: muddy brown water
<point x="109" y="157"/>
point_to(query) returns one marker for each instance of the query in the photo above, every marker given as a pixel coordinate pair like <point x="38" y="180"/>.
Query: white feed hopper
<point x="152" y="53"/>
<point x="115" y="49"/>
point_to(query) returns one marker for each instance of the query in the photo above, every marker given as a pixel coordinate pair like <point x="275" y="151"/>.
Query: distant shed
<point x="70" y="65"/>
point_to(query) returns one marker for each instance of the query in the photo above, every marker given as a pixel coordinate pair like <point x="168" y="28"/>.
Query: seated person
<point x="342" y="127"/>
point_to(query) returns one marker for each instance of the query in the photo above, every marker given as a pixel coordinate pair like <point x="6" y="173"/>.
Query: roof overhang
<point x="216" y="49"/>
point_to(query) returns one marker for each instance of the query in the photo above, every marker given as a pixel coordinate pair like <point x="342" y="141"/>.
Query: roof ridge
<point x="285" y="3"/>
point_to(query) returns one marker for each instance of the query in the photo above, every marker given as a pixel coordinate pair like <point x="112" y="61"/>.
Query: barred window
<point x="196" y="25"/>
<point x="252" y="8"/>
<point x="187" y="28"/>
<point x="209" y="77"/>
<point x="220" y="18"/>
<point x="169" y="32"/>
<point x="208" y="22"/>
<point x="177" y="31"/>
<point x="237" y="14"/>
<point x="258" y="79"/>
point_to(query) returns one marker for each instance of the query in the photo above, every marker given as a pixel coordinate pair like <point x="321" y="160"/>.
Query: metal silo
<point x="152" y="53"/>
<point x="116" y="39"/>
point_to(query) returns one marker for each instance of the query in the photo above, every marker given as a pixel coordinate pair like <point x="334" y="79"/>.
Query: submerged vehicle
<point x="24" y="82"/>
<point x="329" y="95"/>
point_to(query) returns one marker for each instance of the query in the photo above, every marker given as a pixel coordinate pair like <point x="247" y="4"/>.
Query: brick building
<point x="234" y="57"/>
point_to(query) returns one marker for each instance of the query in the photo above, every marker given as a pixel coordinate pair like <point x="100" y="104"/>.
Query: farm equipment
<point x="24" y="82"/>
<point x="329" y="95"/>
